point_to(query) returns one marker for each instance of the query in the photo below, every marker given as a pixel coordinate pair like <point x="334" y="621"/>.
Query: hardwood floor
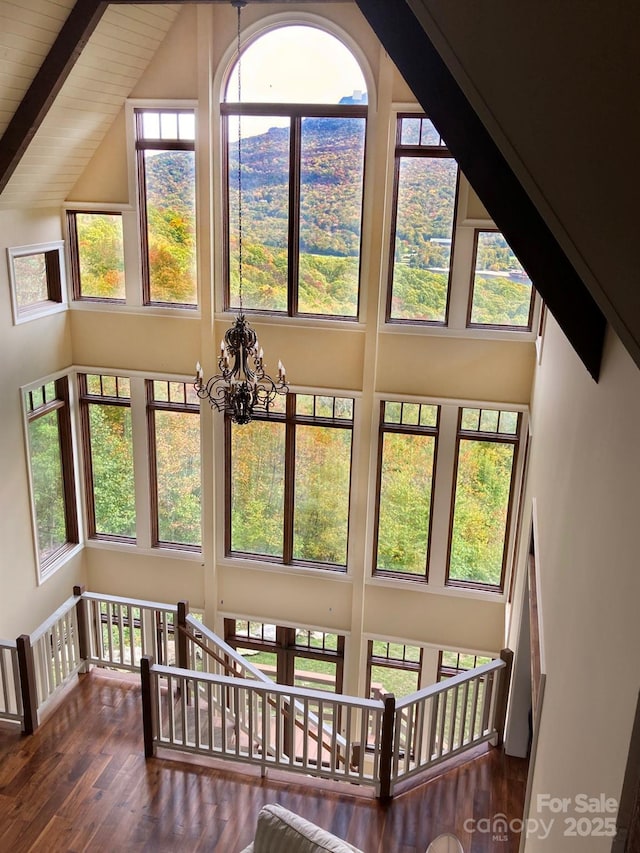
<point x="81" y="783"/>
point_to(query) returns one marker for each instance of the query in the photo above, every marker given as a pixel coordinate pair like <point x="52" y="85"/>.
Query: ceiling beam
<point x="546" y="263"/>
<point x="75" y="32"/>
<point x="55" y="69"/>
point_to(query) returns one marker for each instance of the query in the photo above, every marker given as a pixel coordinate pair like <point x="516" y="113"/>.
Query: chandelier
<point x="242" y="387"/>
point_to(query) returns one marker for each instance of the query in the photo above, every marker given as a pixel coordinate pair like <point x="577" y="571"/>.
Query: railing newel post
<point x="182" y="652"/>
<point x="503" y="695"/>
<point x="28" y="689"/>
<point x="148" y="717"/>
<point x="83" y="628"/>
<point x="386" y="747"/>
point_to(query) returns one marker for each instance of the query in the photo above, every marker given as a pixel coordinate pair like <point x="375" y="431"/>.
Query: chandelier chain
<point x="242" y="387"/>
<point x="240" y="257"/>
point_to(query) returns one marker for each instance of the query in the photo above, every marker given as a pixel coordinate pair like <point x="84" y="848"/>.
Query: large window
<point x="486" y="451"/>
<point x="96" y="248"/>
<point x="174" y="442"/>
<point x="288" y="477"/>
<point x="165" y="146"/>
<point x="51" y="470"/>
<point x="301" y="165"/>
<point x="108" y="444"/>
<point x="445" y="483"/>
<point x="424" y="204"/>
<point x="408" y="435"/>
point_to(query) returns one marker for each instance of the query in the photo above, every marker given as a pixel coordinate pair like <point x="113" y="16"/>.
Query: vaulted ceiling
<point x="112" y="44"/>
<point x="66" y="68"/>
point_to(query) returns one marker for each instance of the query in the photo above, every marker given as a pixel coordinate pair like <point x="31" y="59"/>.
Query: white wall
<point x="585" y="478"/>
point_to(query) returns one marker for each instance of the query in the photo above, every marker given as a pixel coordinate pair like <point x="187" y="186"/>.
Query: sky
<point x="295" y="64"/>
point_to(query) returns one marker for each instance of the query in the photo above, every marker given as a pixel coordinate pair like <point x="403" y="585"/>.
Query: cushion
<point x="282" y="831"/>
<point x="446" y="843"/>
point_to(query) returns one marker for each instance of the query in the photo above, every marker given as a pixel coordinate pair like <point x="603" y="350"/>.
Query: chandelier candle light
<point x="242" y="387"/>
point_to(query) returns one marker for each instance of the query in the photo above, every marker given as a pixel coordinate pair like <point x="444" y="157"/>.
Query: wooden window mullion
<point x="289" y="479"/>
<point x="295" y="153"/>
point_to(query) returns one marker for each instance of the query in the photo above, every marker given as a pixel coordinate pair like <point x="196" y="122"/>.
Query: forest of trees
<point x="330" y="223"/>
<point x="329" y="234"/>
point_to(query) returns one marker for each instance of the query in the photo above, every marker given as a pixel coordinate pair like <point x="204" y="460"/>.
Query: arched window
<point x="299" y="111"/>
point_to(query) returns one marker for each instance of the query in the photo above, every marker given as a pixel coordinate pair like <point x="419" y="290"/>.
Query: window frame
<point x="496" y="438"/>
<point x="290" y="419"/>
<point x="85" y="399"/>
<point x="417" y="151"/>
<point x="403" y="429"/>
<point x="140" y="145"/>
<point x="296" y="113"/>
<point x="388" y="662"/>
<point x="443" y="497"/>
<point x="153" y="406"/>
<point x="62" y="404"/>
<point x="74" y="253"/>
<point x="55" y="273"/>
<point x="497" y="327"/>
<point x="445" y="671"/>
<point x="286" y="649"/>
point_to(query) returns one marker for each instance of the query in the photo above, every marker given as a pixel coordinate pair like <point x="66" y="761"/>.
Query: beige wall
<point x="585" y="478"/>
<point x="28" y="352"/>
<point x="357" y="357"/>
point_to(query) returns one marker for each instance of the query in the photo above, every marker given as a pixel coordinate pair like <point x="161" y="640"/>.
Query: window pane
<point x="323" y="460"/>
<point x="112" y="468"/>
<point x="405" y="502"/>
<point x="30" y="273"/>
<point x="266" y="662"/>
<point x="265" y="213"/>
<point x="424" y="231"/>
<point x="400" y="682"/>
<point x="502" y="292"/>
<point x="331" y="176"/>
<point x="276" y="66"/>
<point x="257" y="488"/>
<point x="101" y="255"/>
<point x="48" y="484"/>
<point x="178" y="477"/>
<point x="315" y="674"/>
<point x="170" y="194"/>
<point x="483" y="486"/>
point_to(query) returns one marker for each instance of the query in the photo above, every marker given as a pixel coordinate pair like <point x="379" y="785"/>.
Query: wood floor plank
<point x="81" y="784"/>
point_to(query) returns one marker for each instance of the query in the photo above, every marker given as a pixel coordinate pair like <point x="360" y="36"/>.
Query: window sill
<point x="488" y="334"/>
<point x="140" y="310"/>
<point x="63" y="557"/>
<point x="339" y="575"/>
<point x="422" y="586"/>
<point x="300" y="322"/>
<point x="132" y="548"/>
<point x="42" y="309"/>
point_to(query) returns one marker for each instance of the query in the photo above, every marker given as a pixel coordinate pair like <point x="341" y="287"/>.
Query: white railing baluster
<point x="11" y="697"/>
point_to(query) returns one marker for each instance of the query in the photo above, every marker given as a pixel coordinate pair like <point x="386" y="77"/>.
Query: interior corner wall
<point x="584" y="474"/>
<point x="552" y="86"/>
<point x="28" y="352"/>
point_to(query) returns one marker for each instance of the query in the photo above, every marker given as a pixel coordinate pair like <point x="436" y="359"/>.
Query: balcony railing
<point x="200" y="696"/>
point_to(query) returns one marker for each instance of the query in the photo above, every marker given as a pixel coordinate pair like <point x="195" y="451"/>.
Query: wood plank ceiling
<point x="74" y="123"/>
